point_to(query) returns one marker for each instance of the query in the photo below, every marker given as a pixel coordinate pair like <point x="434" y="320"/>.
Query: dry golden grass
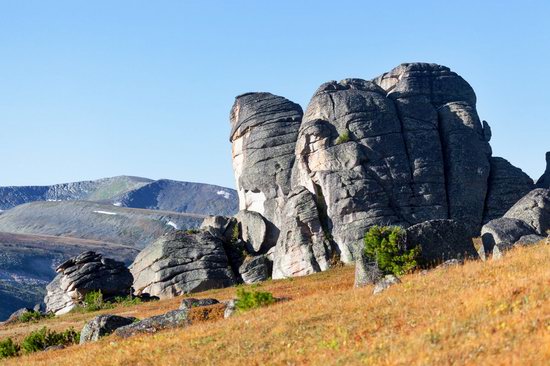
<point x="493" y="313"/>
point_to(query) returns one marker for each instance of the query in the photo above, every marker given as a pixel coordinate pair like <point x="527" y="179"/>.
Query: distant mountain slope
<point x="94" y="221"/>
<point x="177" y="196"/>
<point x="27" y="264"/>
<point x="93" y="190"/>
<point x="134" y="192"/>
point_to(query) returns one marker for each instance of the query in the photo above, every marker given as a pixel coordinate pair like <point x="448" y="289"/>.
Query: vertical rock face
<point x="404" y="148"/>
<point x="303" y="247"/>
<point x="544" y="180"/>
<point x="263" y="134"/>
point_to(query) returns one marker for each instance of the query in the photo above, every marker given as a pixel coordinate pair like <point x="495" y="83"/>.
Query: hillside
<point x="27" y="264"/>
<point x="480" y="313"/>
<point x="93" y="221"/>
<point x="35" y="237"/>
<point x="135" y="192"/>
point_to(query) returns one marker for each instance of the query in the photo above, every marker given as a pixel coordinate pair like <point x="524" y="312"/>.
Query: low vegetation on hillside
<point x="495" y="312"/>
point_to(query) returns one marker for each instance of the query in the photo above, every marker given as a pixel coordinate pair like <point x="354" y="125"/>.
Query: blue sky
<point x="91" y="89"/>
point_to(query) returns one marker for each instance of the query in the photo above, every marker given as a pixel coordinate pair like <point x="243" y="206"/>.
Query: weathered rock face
<point x="179" y="263"/>
<point x="534" y="210"/>
<point x="255" y="269"/>
<point x="263" y="134"/>
<point x="507" y="184"/>
<point x="441" y="240"/>
<point x="101" y="326"/>
<point x="404" y="148"/>
<point x="82" y="274"/>
<point x="527" y="222"/>
<point x="544" y="180"/>
<point x="303" y="248"/>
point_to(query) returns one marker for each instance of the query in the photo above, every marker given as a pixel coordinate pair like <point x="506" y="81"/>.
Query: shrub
<point x="192" y="231"/>
<point x="127" y="300"/>
<point x="33" y="316"/>
<point x="43" y="338"/>
<point x="8" y="348"/>
<point x="344" y="137"/>
<point x="386" y="246"/>
<point x="253" y="299"/>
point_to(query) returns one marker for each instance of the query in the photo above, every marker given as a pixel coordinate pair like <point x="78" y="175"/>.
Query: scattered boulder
<point x="179" y="263"/>
<point x="82" y="274"/>
<point x="534" y="210"/>
<point x="366" y="272"/>
<point x="502" y="234"/>
<point x="172" y="319"/>
<point x="101" y="326"/>
<point x="189" y="303"/>
<point x="255" y="269"/>
<point x="451" y="263"/>
<point x="253" y="230"/>
<point x="544" y="180"/>
<point x="441" y="240"/>
<point x="230" y="308"/>
<point x="220" y="227"/>
<point x="530" y="239"/>
<point x="385" y="283"/>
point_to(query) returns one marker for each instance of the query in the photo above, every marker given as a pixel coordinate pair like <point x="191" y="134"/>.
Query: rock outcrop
<point x="441" y="240"/>
<point x="524" y="223"/>
<point x="263" y="134"/>
<point x="103" y="325"/>
<point x="402" y="149"/>
<point x="507" y="184"/>
<point x="544" y="180"/>
<point x="179" y="263"/>
<point x="82" y="274"/>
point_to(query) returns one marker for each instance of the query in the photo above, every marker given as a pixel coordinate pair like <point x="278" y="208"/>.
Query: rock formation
<point x="544" y="180"/>
<point x="82" y="274"/>
<point x="181" y="262"/>
<point x="524" y="223"/>
<point x="404" y="148"/>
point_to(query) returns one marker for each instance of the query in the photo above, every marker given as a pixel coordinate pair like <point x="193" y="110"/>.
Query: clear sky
<point x="91" y="89"/>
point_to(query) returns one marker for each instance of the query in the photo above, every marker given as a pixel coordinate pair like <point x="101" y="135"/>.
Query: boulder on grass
<point x="189" y="303"/>
<point x="172" y="319"/>
<point x="180" y="263"/>
<point x="441" y="240"/>
<point x="534" y="210"/>
<point x="366" y="271"/>
<point x="385" y="283"/>
<point x="101" y="326"/>
<point x="85" y="273"/>
<point x="255" y="269"/>
<point x="502" y="234"/>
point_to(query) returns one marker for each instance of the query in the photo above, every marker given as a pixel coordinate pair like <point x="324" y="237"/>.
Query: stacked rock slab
<point x="404" y="148"/>
<point x="181" y="262"/>
<point x="524" y="223"/>
<point x="263" y="136"/>
<point x="82" y="274"/>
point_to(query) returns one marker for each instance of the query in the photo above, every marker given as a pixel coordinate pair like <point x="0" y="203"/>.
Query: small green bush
<point x="253" y="299"/>
<point x="33" y="316"/>
<point x="386" y="246"/>
<point x="127" y="300"/>
<point x="192" y="231"/>
<point x="43" y="338"/>
<point x="8" y="348"/>
<point x="344" y="137"/>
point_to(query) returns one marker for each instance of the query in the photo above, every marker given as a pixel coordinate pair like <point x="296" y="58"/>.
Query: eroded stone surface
<point x="179" y="263"/>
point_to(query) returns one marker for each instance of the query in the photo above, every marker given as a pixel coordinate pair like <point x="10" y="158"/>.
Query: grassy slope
<point x="479" y="313"/>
